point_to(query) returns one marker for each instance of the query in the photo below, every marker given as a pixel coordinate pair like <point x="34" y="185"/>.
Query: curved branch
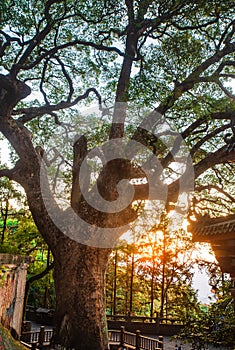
<point x="195" y="77"/>
<point x="7" y="173"/>
<point x="9" y="39"/>
<point x="193" y="126"/>
<point x="36" y="278"/>
<point x="217" y="188"/>
<point x="41" y="274"/>
<point x="33" y="112"/>
<point x="68" y="45"/>
<point x="79" y="153"/>
<point x="48" y="5"/>
<point x="198" y="26"/>
<point x="226" y="91"/>
<point x="208" y="137"/>
<point x="68" y="78"/>
<point x="226" y="35"/>
<point x="42" y="81"/>
<point x="33" y="44"/>
<point x="220" y="156"/>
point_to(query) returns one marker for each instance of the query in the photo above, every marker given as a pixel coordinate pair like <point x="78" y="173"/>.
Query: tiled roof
<point x="220" y="232"/>
<point x="213" y="227"/>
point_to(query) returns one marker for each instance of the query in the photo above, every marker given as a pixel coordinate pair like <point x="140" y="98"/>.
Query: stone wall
<point x="13" y="270"/>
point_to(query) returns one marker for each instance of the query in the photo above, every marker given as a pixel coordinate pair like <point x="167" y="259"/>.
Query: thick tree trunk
<point x="80" y="316"/>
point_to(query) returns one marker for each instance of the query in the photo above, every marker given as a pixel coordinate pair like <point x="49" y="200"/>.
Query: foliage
<point x="8" y="195"/>
<point x="212" y="326"/>
<point x="22" y="237"/>
<point x="153" y="275"/>
<point x="174" y="57"/>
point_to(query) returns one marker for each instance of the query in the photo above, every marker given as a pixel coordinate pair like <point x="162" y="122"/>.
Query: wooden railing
<point x="144" y="319"/>
<point x="40" y="338"/>
<point x="134" y="340"/>
<point x="129" y="340"/>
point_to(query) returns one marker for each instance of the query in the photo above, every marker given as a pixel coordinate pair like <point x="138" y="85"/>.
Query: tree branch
<point x="208" y="137"/>
<point x="33" y="44"/>
<point x="198" y="26"/>
<point x="193" y="126"/>
<point x="33" y="112"/>
<point x="8" y="42"/>
<point x="228" y="114"/>
<point x="185" y="86"/>
<point x="7" y="173"/>
<point x="119" y="114"/>
<point x="217" y="188"/>
<point x="130" y="8"/>
<point x="220" y="156"/>
<point x="41" y="274"/>
<point x="79" y="153"/>
<point x="68" y="78"/>
<point x="54" y="50"/>
<point x="226" y="91"/>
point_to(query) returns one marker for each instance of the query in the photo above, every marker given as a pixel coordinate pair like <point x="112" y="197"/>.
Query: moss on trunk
<point x="7" y="342"/>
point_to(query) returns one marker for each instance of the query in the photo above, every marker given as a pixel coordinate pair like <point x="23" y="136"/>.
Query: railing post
<point x="157" y="320"/>
<point x="160" y="338"/>
<point x="137" y="340"/>
<point x="128" y="318"/>
<point x="41" y="336"/>
<point x="34" y="346"/>
<point x="122" y="339"/>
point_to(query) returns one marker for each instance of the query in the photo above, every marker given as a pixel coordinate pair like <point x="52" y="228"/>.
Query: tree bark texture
<point x="79" y="276"/>
<point x="80" y="316"/>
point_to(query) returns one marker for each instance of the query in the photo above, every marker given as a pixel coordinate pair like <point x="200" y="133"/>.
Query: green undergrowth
<point x="7" y="342"/>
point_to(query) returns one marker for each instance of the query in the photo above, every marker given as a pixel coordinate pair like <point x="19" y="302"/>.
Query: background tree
<point x="157" y="269"/>
<point x="214" y="325"/>
<point x="8" y="213"/>
<point x="21" y="236"/>
<point x="174" y="57"/>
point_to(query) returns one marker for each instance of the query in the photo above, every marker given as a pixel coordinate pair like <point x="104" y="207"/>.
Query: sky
<point x="200" y="283"/>
<point x="4" y="154"/>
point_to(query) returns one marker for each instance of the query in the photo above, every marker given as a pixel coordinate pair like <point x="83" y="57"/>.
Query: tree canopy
<point x="161" y="73"/>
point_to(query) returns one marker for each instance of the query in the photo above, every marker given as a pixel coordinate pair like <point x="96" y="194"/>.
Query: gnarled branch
<point x="34" y="112"/>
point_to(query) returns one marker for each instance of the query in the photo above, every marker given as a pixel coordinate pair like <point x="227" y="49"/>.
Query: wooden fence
<point x="144" y="319"/>
<point x="121" y="337"/>
<point x="134" y="341"/>
<point x="37" y="339"/>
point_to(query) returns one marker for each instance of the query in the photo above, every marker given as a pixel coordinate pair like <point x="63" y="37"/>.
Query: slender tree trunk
<point x="5" y="216"/>
<point x="131" y="283"/>
<point x="80" y="315"/>
<point x="163" y="277"/>
<point x="115" y="283"/>
<point x="152" y="287"/>
<point x="45" y="298"/>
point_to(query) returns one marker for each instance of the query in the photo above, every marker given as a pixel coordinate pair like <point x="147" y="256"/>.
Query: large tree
<point x="172" y="58"/>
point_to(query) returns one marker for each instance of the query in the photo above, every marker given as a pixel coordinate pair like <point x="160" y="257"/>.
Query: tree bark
<point x="79" y="274"/>
<point x="80" y="315"/>
<point x="79" y="277"/>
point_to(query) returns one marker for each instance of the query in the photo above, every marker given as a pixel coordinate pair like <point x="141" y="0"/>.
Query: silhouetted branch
<point x="33" y="112"/>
